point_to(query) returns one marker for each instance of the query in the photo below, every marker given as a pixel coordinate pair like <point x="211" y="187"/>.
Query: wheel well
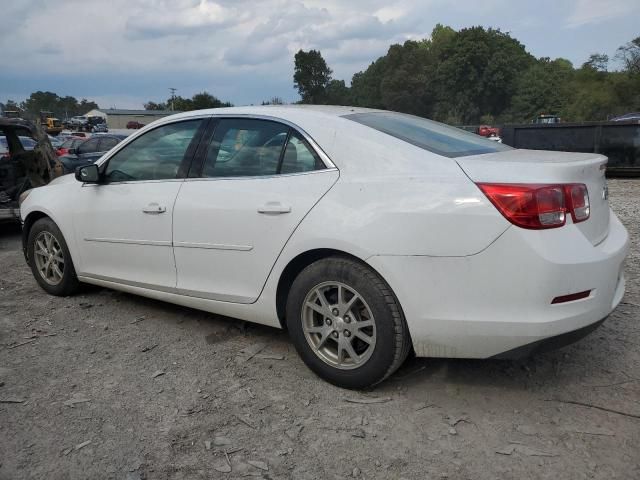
<point x="26" y="228"/>
<point x="296" y="266"/>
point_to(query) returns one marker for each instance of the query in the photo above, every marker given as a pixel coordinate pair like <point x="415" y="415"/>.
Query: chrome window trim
<point x="259" y="177"/>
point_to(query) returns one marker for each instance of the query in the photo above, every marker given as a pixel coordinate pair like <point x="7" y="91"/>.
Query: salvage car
<point x="368" y="234"/>
<point x="23" y="163"/>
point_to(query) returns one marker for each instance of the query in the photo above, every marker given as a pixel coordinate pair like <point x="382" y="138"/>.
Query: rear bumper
<point x="498" y="300"/>
<point x="548" y="344"/>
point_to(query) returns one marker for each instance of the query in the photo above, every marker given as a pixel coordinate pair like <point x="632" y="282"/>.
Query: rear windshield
<point x="432" y="136"/>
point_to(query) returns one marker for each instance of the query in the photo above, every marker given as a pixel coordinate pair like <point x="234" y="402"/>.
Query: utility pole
<point x="173" y="96"/>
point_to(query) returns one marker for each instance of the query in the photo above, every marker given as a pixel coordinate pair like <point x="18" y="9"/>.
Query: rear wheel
<point x="346" y="323"/>
<point x="50" y="260"/>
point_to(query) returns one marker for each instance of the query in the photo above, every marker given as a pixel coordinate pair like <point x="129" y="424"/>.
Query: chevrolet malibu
<point x="367" y="234"/>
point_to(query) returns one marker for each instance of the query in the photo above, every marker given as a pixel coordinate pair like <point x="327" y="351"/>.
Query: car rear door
<point x="123" y="225"/>
<point x="257" y="181"/>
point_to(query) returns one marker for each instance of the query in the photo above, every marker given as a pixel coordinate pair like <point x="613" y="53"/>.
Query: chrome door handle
<point x="274" y="208"/>
<point x="154" y="209"/>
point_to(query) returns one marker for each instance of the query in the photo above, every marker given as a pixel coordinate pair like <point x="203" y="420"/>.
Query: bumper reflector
<point x="571" y="297"/>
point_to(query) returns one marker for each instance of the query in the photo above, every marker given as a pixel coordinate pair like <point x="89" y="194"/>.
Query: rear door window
<point x="245" y="148"/>
<point x="253" y="148"/>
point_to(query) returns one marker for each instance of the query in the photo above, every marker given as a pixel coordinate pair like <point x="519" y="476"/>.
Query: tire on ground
<point x="69" y="282"/>
<point x="392" y="343"/>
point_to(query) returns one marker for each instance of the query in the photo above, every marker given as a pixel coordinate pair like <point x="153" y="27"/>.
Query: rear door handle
<point x="274" y="208"/>
<point x="154" y="209"/>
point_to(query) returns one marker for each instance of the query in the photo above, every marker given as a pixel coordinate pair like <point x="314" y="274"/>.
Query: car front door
<point x="123" y="224"/>
<point x="258" y="180"/>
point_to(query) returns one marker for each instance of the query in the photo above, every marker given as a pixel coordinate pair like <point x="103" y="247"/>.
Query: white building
<point x="118" y="118"/>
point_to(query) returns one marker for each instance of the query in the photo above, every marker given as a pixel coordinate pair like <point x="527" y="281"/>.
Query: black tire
<point x="68" y="284"/>
<point x="393" y="341"/>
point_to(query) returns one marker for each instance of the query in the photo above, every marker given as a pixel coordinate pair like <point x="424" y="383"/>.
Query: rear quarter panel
<point x="393" y="198"/>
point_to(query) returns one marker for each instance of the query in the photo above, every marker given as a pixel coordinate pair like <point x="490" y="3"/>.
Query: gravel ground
<point x="111" y="385"/>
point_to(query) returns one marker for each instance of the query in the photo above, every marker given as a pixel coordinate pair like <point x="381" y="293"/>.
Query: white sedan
<point x="366" y="233"/>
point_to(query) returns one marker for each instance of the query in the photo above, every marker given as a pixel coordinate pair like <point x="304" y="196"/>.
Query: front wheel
<point x="50" y="260"/>
<point x="346" y="323"/>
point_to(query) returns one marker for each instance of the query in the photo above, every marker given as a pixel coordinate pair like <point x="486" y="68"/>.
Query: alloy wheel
<point x="338" y="325"/>
<point x="49" y="258"/>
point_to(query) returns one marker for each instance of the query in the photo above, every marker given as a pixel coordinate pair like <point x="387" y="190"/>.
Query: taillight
<point x="538" y="206"/>
<point x="578" y="197"/>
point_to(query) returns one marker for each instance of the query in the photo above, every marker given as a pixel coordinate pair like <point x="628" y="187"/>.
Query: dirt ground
<point x="109" y="385"/>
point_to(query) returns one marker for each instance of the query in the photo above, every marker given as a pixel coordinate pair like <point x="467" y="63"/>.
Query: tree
<point x="452" y="76"/>
<point x="62" y="107"/>
<point x="337" y="93"/>
<point x="155" y="106"/>
<point x="274" y="101"/>
<point x="206" y="100"/>
<point x="311" y="76"/>
<point x="9" y="106"/>
<point x="199" y="101"/>
<point x="597" y="62"/>
<point x="476" y="74"/>
<point x="630" y="56"/>
<point x="544" y="87"/>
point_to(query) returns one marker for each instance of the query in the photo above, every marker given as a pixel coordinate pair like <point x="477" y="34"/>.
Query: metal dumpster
<point x="620" y="141"/>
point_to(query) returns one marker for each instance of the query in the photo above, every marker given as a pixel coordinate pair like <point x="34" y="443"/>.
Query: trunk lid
<point x="539" y="166"/>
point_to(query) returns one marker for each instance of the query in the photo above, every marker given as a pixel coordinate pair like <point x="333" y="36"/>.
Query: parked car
<point x="366" y="233"/>
<point x="89" y="151"/>
<point x="76" y="122"/>
<point x="68" y="144"/>
<point x="100" y="128"/>
<point x="488" y="131"/>
<point x="55" y="141"/>
<point x="133" y="125"/>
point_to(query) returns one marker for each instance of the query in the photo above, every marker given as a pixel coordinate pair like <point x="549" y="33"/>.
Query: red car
<point x="487" y="131"/>
<point x="69" y="143"/>
<point x="134" y="125"/>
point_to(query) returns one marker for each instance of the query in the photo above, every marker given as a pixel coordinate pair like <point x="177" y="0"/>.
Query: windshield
<point x="432" y="136"/>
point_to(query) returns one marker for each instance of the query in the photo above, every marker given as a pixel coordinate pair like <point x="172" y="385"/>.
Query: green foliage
<point x="62" y="107"/>
<point x="274" y="101"/>
<point x="541" y="88"/>
<point x="199" y="101"/>
<point x="11" y="105"/>
<point x="311" y="76"/>
<point x="478" y="75"/>
<point x="597" y="61"/>
<point x="337" y="93"/>
<point x="630" y="56"/>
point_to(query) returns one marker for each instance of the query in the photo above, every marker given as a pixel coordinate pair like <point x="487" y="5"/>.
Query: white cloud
<point x="240" y="50"/>
<point x="597" y="11"/>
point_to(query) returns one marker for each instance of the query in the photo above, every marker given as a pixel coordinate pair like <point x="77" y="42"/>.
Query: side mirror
<point x="88" y="174"/>
<point x="73" y="151"/>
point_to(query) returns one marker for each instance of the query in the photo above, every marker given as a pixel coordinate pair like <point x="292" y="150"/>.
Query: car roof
<point x="280" y="110"/>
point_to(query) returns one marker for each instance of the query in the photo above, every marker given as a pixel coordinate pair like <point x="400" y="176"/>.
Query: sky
<point x="123" y="53"/>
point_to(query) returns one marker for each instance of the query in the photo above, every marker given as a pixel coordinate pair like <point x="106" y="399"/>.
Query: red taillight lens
<point x="578" y="202"/>
<point x="537" y="206"/>
<point x="528" y="205"/>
